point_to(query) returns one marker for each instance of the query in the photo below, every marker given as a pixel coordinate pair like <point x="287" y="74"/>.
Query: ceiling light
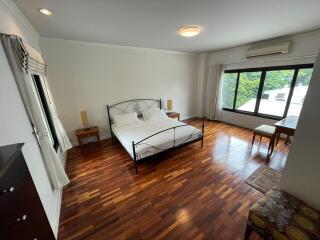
<point x="189" y="31"/>
<point x="46" y="11"/>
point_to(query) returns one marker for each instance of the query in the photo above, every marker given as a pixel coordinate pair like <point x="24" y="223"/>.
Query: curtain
<point x="23" y="63"/>
<point x="215" y="87"/>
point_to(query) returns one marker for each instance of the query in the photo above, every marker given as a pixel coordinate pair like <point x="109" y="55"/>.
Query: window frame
<point x="263" y="71"/>
<point x="43" y="99"/>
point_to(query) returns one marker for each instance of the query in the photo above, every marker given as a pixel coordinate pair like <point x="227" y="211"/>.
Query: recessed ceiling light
<point x="189" y="31"/>
<point x="46" y="11"/>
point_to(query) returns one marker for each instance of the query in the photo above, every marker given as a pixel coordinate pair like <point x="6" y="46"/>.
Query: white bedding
<point x="138" y="131"/>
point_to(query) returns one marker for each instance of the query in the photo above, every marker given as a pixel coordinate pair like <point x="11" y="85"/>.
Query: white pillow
<point x="155" y="113"/>
<point x="125" y="119"/>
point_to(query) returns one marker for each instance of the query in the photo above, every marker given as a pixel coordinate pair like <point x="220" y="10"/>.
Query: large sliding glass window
<point x="273" y="92"/>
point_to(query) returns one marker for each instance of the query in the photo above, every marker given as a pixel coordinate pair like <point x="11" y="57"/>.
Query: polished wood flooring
<point x="189" y="193"/>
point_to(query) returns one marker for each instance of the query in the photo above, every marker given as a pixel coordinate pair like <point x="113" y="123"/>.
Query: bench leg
<point x="269" y="147"/>
<point x="287" y="140"/>
<point x="248" y="233"/>
<point x="254" y="135"/>
<point x="277" y="139"/>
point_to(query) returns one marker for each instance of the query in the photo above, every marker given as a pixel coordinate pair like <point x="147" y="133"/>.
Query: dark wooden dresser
<point x="21" y="212"/>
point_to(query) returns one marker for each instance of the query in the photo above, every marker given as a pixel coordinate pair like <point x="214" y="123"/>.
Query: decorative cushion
<point x="265" y="130"/>
<point x="278" y="215"/>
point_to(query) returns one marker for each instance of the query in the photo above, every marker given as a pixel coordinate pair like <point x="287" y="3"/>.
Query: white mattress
<point x="138" y="131"/>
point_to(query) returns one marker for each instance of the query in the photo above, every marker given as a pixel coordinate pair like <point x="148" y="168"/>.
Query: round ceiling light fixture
<point x="190" y="31"/>
<point x="46" y="11"/>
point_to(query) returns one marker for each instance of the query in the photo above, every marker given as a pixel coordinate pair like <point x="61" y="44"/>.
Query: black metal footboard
<point x="161" y="150"/>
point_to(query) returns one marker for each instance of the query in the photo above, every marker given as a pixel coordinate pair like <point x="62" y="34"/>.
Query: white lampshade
<point x="169" y="104"/>
<point x="84" y="119"/>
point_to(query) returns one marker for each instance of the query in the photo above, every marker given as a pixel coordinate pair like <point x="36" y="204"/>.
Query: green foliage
<point x="304" y="76"/>
<point x="248" y="87"/>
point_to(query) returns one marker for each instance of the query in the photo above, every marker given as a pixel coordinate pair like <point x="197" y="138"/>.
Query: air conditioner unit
<point x="262" y="50"/>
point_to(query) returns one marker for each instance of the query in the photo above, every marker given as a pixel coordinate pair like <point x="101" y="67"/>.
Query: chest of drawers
<point x="21" y="212"/>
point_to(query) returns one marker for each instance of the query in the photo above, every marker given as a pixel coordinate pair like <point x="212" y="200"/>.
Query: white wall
<point x="14" y="123"/>
<point x="301" y="175"/>
<point x="302" y="45"/>
<point x="88" y="76"/>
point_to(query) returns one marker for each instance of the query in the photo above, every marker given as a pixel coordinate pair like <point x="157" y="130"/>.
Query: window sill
<point x="253" y="114"/>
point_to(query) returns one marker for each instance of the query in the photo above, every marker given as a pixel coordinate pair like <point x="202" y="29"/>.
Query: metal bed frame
<point x="134" y="105"/>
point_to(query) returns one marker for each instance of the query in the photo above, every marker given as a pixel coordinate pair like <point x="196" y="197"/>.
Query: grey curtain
<point x="24" y="61"/>
<point x="215" y="87"/>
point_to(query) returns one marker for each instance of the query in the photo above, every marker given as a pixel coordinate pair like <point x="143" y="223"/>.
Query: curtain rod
<point x="271" y="60"/>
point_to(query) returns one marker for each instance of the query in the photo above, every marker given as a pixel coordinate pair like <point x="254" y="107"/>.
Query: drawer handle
<point x="24" y="217"/>
<point x="11" y="189"/>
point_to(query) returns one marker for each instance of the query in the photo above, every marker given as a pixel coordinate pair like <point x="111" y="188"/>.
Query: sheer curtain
<point x="215" y="87"/>
<point x="25" y="61"/>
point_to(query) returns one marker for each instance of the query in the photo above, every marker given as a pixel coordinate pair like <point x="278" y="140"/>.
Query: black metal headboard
<point x="133" y="105"/>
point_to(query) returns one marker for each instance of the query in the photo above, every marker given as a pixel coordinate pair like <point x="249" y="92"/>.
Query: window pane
<point x="45" y="109"/>
<point x="275" y="92"/>
<point x="228" y="89"/>
<point x="299" y="92"/>
<point x="248" y="91"/>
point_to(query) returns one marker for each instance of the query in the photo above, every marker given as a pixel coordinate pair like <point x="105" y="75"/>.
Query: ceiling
<point x="154" y="23"/>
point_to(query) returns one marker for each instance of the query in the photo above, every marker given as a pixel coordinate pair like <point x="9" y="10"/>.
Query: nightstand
<point x="85" y="133"/>
<point x="174" y="115"/>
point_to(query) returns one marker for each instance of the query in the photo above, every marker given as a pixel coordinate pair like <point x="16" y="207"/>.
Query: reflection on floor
<point x="190" y="193"/>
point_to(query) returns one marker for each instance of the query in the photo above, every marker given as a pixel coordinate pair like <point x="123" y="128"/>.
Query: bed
<point x="145" y="138"/>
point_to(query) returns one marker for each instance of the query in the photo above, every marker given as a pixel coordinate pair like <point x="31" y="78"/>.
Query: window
<point x="229" y="89"/>
<point x="300" y="91"/>
<point x="247" y="91"/>
<point x="41" y="92"/>
<point x="275" y="92"/>
<point x="272" y="92"/>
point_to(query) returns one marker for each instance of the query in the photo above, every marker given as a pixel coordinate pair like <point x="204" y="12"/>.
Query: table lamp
<point x="169" y="105"/>
<point x="84" y="119"/>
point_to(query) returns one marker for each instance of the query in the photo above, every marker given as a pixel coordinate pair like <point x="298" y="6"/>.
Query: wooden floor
<point x="190" y="193"/>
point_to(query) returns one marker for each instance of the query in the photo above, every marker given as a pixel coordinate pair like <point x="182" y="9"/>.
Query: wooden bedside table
<point x="85" y="133"/>
<point x="174" y="115"/>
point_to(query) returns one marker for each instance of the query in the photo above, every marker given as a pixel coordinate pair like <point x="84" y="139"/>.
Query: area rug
<point x="264" y="179"/>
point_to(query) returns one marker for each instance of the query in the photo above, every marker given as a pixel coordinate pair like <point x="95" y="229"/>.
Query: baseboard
<point x="74" y="143"/>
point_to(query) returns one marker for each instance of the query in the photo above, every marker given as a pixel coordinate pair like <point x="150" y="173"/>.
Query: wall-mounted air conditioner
<point x="262" y="50"/>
